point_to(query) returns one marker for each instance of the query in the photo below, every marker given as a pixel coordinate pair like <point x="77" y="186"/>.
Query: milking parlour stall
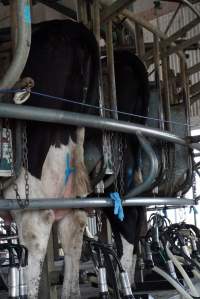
<point x="99" y="149"/>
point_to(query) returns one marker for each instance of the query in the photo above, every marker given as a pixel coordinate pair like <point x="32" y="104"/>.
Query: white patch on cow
<point x="53" y="171"/>
<point x="71" y="241"/>
<point x="34" y="226"/>
<point x="34" y="230"/>
<point x="127" y="258"/>
<point x="52" y="182"/>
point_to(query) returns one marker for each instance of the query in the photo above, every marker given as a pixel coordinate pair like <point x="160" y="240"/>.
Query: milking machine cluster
<point x="13" y="262"/>
<point x="116" y="284"/>
<point x="169" y="257"/>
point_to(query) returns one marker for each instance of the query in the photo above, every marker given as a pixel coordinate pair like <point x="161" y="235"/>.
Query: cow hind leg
<point x="72" y="226"/>
<point x="34" y="230"/>
<point x="71" y="230"/>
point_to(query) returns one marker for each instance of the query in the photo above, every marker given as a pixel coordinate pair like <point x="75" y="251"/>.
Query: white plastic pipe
<point x="188" y="281"/>
<point x="180" y="259"/>
<point x="175" y="284"/>
<point x="196" y="274"/>
<point x="196" y="262"/>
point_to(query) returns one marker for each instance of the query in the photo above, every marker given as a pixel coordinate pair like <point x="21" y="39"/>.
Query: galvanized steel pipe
<point x="96" y="202"/>
<point x="23" y="45"/>
<point x="111" y="69"/>
<point x="86" y="120"/>
<point x="153" y="172"/>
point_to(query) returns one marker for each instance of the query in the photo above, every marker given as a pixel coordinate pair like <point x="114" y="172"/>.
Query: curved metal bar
<point x="173" y="18"/>
<point x="153" y="173"/>
<point x="66" y="11"/>
<point x="86" y="120"/>
<point x="95" y="202"/>
<point x="23" y="45"/>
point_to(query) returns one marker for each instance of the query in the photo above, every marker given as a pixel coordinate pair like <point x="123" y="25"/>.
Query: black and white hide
<point x="132" y="97"/>
<point x="63" y="62"/>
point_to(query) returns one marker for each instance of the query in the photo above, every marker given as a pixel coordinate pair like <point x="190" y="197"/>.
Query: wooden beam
<point x="195" y="88"/>
<point x="185" y="44"/>
<point x="149" y="14"/>
<point x="193" y="69"/>
<point x="195" y="98"/>
<point x="60" y="8"/>
<point x="182" y="31"/>
<point x="114" y="9"/>
<point x="139" y="38"/>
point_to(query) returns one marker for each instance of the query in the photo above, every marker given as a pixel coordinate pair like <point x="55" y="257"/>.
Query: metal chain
<point x="25" y="165"/>
<point x="107" y="151"/>
<point x="117" y="146"/>
<point x="122" y="147"/>
<point x="194" y="184"/>
<point x="11" y="161"/>
<point x="21" y="203"/>
<point x="99" y="221"/>
<point x="115" y="165"/>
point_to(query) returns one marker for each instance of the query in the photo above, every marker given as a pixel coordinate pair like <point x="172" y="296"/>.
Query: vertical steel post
<point x="96" y="30"/>
<point x="187" y="103"/>
<point x="166" y="102"/>
<point x="81" y="12"/>
<point x="13" y="24"/>
<point x="139" y="41"/>
<point x="111" y="69"/>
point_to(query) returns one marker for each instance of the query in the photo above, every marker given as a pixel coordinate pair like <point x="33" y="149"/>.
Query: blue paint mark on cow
<point x="68" y="170"/>
<point x="27" y="14"/>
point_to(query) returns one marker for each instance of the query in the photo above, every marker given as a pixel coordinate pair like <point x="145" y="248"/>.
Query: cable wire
<point x="77" y="102"/>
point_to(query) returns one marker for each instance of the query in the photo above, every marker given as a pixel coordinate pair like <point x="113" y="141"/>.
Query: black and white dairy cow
<point x="63" y="62"/>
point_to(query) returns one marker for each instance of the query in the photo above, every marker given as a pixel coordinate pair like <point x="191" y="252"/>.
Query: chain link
<point x="194" y="184"/>
<point x="118" y="146"/>
<point x="99" y="222"/>
<point x="11" y="161"/>
<point x="122" y="148"/>
<point x="21" y="203"/>
<point x="25" y="165"/>
<point x="114" y="158"/>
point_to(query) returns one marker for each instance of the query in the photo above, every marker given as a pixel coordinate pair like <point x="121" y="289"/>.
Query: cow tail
<point x="93" y="48"/>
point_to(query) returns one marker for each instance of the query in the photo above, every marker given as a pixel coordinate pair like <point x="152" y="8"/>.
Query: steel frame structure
<point x="96" y="202"/>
